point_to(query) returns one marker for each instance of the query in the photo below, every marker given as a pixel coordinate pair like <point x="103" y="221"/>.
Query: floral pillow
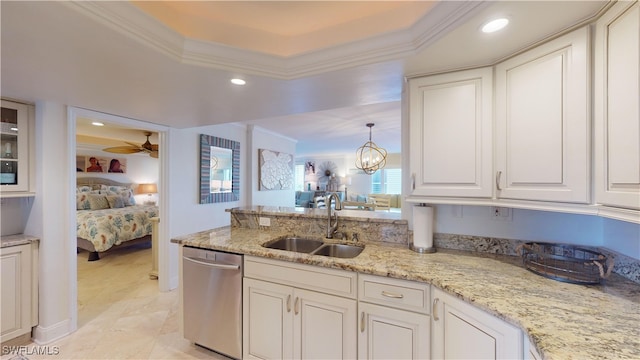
<point x="114" y="188"/>
<point x="82" y="201"/>
<point x="82" y="189"/>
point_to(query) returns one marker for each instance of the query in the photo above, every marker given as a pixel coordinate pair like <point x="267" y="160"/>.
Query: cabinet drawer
<point x="402" y="294"/>
<point x="315" y="278"/>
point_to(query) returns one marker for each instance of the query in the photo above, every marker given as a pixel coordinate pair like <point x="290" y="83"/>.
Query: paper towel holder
<point x="422" y="249"/>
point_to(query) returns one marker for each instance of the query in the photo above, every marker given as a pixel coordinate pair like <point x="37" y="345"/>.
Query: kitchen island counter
<point x="563" y="321"/>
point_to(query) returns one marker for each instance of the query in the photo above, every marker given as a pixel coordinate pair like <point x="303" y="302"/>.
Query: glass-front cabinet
<point x="14" y="148"/>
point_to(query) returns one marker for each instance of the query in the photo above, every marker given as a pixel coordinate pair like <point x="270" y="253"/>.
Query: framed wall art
<point x="275" y="170"/>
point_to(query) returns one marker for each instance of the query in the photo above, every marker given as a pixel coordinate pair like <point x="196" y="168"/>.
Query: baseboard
<point x="44" y="335"/>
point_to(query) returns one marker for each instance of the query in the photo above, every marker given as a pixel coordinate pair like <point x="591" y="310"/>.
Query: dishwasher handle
<point x="213" y="264"/>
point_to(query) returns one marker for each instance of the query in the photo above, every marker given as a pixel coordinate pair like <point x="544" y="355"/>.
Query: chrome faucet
<point x="332" y="228"/>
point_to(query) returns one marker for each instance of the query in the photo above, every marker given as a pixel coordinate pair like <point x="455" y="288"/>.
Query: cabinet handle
<point x="413" y="181"/>
<point x="498" y="176"/>
<point x="362" y="322"/>
<point x="392" y="295"/>
<point x="434" y="309"/>
<point x="295" y="306"/>
<point x="289" y="303"/>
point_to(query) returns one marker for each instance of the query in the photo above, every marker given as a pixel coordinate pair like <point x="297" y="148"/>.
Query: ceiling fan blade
<point x="122" y="150"/>
<point x="154" y="154"/>
<point x="134" y="145"/>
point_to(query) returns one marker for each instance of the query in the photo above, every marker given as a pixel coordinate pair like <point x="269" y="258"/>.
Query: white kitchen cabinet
<point x="267" y="320"/>
<point x="530" y="352"/>
<point x="462" y="331"/>
<point x="450" y="121"/>
<point x="542" y="122"/>
<point x="394" y="319"/>
<point x="19" y="291"/>
<point x="15" y="154"/>
<point x="291" y="311"/>
<point x="617" y="108"/>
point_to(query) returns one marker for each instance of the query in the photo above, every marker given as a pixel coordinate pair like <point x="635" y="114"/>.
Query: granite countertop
<point x="563" y="321"/>
<point x="18" y="239"/>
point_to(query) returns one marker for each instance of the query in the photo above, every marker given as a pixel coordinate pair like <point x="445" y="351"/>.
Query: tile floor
<point x="122" y="315"/>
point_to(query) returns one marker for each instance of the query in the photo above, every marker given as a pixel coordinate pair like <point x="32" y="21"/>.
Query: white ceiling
<point x="114" y="58"/>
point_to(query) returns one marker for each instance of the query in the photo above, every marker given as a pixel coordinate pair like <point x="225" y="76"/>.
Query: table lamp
<point x="147" y="189"/>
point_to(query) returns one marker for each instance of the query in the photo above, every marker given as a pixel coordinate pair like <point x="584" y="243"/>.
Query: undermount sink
<point x="339" y="250"/>
<point x="297" y="244"/>
<point x="314" y="247"/>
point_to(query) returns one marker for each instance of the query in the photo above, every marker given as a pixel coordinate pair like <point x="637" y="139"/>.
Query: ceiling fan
<point x="148" y="147"/>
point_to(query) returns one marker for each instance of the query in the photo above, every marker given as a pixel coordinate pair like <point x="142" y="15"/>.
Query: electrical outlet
<point x="264" y="221"/>
<point x="501" y="213"/>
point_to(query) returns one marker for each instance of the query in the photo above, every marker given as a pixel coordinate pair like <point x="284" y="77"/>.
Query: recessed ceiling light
<point x="238" y="81"/>
<point x="97" y="123"/>
<point x="495" y="25"/>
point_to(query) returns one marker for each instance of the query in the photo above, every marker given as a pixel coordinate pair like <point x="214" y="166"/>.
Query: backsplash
<point x="366" y="229"/>
<point x="623" y="265"/>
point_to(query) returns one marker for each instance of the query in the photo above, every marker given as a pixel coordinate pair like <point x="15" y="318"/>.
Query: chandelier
<point x="369" y="157"/>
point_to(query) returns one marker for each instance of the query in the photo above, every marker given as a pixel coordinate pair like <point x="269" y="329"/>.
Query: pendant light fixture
<point x="369" y="157"/>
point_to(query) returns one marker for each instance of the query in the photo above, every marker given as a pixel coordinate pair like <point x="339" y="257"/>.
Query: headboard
<point x="95" y="181"/>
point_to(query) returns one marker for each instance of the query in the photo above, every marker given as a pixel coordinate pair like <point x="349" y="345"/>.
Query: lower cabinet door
<point x="387" y="333"/>
<point x="324" y="326"/>
<point x="15" y="271"/>
<point x="267" y="320"/>
<point x="461" y="331"/>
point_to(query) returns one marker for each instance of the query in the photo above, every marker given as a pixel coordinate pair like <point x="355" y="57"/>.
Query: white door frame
<point x="163" y="184"/>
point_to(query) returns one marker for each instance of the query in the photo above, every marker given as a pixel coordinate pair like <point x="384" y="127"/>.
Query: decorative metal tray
<point x="566" y="263"/>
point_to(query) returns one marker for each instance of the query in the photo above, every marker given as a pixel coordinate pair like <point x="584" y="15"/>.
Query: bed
<point x="108" y="216"/>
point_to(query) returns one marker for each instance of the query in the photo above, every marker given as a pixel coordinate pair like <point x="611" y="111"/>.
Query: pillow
<point x="361" y="198"/>
<point x="81" y="189"/>
<point x="127" y="196"/>
<point x="115" y="201"/>
<point x="114" y="188"/>
<point x="97" y="202"/>
<point x="82" y="201"/>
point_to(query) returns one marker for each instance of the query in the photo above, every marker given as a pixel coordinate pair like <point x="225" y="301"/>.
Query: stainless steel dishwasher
<point x="212" y="300"/>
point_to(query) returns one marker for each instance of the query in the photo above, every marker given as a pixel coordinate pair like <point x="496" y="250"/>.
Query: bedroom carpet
<point x="122" y="315"/>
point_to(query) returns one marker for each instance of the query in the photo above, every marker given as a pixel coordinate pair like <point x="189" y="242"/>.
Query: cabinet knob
<point x="434" y="309"/>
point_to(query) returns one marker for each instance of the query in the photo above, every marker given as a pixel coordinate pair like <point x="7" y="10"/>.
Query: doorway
<point x="135" y="168"/>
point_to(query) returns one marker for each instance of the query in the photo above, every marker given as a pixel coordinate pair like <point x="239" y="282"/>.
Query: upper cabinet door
<point x="617" y="108"/>
<point x="14" y="147"/>
<point x="542" y="122"/>
<point x="450" y="134"/>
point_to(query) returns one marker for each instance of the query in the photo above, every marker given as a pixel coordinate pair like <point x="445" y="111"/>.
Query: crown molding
<point x="134" y="23"/>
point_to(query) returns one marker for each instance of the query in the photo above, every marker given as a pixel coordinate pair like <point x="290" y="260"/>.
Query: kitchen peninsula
<point x="560" y="320"/>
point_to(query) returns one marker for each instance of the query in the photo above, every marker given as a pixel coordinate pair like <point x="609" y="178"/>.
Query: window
<point x="386" y="181"/>
<point x="299" y="177"/>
